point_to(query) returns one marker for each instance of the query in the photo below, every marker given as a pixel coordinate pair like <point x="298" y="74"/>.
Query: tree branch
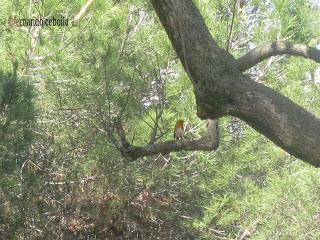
<point x="153" y="136"/>
<point x="83" y="10"/>
<point x="267" y="50"/>
<point x="208" y="142"/>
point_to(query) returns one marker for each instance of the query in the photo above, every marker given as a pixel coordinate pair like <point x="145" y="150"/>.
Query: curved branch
<point x="209" y="142"/>
<point x="267" y="50"/>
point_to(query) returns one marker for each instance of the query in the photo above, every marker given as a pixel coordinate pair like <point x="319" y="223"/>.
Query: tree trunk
<point x="221" y="89"/>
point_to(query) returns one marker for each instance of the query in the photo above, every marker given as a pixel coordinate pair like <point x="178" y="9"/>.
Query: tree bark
<point x="221" y="89"/>
<point x="267" y="50"/>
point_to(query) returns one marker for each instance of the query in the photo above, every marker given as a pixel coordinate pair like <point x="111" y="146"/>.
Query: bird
<point x="178" y="130"/>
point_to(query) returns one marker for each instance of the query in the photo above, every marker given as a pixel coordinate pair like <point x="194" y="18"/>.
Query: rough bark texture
<point x="221" y="89"/>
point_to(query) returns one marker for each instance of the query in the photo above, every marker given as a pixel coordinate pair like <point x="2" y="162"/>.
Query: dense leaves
<point x="62" y="176"/>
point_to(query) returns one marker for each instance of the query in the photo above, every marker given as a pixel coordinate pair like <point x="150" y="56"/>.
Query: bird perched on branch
<point x="178" y="130"/>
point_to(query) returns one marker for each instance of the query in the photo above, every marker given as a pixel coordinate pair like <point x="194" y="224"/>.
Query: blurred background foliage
<point x="61" y="175"/>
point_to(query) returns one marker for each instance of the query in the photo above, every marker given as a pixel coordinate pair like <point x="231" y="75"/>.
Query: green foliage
<point x="17" y="116"/>
<point x="64" y="176"/>
<point x="293" y="16"/>
<point x="17" y="119"/>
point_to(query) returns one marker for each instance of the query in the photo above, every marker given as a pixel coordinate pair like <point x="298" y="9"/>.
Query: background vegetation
<point x="61" y="176"/>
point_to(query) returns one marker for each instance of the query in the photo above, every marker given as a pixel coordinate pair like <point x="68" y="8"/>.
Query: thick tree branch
<point x="221" y="89"/>
<point x="208" y="142"/>
<point x="267" y="50"/>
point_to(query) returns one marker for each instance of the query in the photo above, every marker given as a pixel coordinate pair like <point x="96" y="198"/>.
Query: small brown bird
<point x="178" y="130"/>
